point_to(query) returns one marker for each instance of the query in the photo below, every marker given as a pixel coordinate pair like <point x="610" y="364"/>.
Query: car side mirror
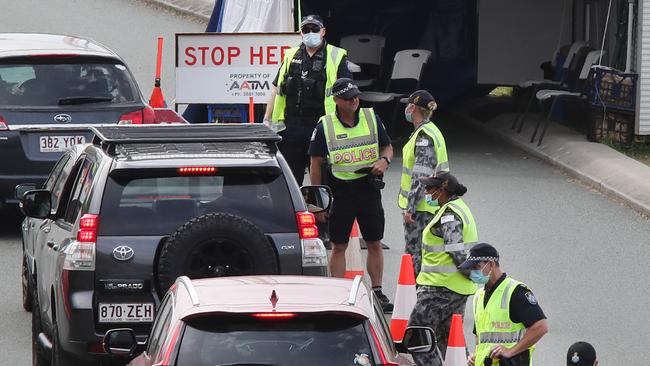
<point x="36" y="203"/>
<point x="21" y="189"/>
<point x="120" y="342"/>
<point x="317" y="198"/>
<point x="416" y="340"/>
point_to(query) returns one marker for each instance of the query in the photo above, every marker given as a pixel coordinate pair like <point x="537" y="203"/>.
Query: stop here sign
<point x="229" y="67"/>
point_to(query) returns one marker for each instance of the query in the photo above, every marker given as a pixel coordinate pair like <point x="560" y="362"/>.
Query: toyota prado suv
<point x="118" y="220"/>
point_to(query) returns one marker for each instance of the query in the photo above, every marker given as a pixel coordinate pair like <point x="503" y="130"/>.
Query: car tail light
<point x="139" y="117"/>
<point x="383" y="361"/>
<point x="80" y="254"/>
<point x="314" y="253"/>
<point x="307" y="225"/>
<point x="197" y="170"/>
<point x="3" y="124"/>
<point x="274" y="315"/>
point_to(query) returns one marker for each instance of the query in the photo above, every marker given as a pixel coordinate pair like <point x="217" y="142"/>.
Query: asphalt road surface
<point x="583" y="254"/>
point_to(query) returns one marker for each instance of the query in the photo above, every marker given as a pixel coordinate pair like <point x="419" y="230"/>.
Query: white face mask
<point x="312" y="40"/>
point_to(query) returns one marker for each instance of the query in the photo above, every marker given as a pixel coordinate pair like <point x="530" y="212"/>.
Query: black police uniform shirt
<point x="318" y="145"/>
<point x="310" y="106"/>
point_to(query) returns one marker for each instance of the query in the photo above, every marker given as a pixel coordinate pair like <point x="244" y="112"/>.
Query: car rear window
<point x="158" y="201"/>
<point x="50" y="84"/>
<point x="303" y="340"/>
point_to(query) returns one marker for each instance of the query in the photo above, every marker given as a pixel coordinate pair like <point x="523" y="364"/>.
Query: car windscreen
<point x="333" y="339"/>
<point x="159" y="201"/>
<point x="35" y="82"/>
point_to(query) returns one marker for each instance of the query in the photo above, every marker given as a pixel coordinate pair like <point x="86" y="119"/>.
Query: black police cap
<point x="421" y="98"/>
<point x="345" y="88"/>
<point x="481" y="252"/>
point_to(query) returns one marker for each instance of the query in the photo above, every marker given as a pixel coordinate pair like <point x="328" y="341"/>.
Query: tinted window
<point x="161" y="325"/>
<point x="55" y="173"/>
<point x="303" y="340"/>
<point x="57" y="187"/>
<point x="81" y="190"/>
<point x="47" y="84"/>
<point x="157" y="202"/>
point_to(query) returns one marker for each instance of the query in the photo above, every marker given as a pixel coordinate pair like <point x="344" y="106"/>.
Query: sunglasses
<point x="310" y="28"/>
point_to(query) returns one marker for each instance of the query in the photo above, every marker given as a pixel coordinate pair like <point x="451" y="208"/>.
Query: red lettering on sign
<point x="271" y="55"/>
<point x="232" y="53"/>
<point x="191" y="60"/>
<point x="257" y="55"/>
<point x="203" y="50"/>
<point x="282" y="49"/>
<point x="217" y="59"/>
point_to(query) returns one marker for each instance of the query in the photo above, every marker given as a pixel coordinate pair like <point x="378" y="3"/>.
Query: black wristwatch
<point x="386" y="158"/>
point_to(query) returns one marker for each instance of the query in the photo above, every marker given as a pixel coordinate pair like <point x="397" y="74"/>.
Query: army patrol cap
<point x="481" y="252"/>
<point x="444" y="180"/>
<point x="581" y="354"/>
<point x="312" y="19"/>
<point x="422" y="98"/>
<point x="345" y="88"/>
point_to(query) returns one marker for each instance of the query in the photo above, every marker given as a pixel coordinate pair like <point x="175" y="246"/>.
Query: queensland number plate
<point x="125" y="313"/>
<point x="59" y="143"/>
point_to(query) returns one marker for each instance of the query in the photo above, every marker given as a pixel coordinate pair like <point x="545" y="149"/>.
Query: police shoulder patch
<point x="447" y="218"/>
<point x="531" y="298"/>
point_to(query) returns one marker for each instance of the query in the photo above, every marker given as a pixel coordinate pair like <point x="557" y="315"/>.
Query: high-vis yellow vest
<point x="334" y="56"/>
<point x="408" y="165"/>
<point x="493" y="324"/>
<point x="351" y="148"/>
<point x="438" y="268"/>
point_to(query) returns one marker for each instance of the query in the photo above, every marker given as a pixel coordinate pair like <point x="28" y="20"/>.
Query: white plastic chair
<point x="365" y="49"/>
<point x="407" y="65"/>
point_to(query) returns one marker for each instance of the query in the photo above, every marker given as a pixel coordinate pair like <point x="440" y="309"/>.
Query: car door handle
<point x="51" y="244"/>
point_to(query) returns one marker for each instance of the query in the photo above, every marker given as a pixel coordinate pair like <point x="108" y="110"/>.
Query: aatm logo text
<point x="250" y="85"/>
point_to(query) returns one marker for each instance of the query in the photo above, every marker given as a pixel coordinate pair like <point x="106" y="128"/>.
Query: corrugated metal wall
<point x="643" y="68"/>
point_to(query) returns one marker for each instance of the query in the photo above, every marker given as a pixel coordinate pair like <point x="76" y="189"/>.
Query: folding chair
<point x="365" y="50"/>
<point x="578" y="92"/>
<point x="532" y="86"/>
<point x="405" y="78"/>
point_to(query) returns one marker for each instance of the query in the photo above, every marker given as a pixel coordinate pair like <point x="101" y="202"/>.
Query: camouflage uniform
<point x="436" y="305"/>
<point x="425" y="165"/>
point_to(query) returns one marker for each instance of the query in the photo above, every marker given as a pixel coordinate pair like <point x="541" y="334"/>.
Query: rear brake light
<point x="141" y="116"/>
<point x="88" y="225"/>
<point x="274" y="315"/>
<point x="306" y="225"/>
<point x="3" y="124"/>
<point x="80" y="254"/>
<point x="197" y="170"/>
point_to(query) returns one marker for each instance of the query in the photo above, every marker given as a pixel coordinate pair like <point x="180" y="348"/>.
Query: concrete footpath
<point x="599" y="166"/>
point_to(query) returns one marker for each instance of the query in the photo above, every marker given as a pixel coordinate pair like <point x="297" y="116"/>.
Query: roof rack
<point x="187" y="283"/>
<point x="109" y="136"/>
<point x="356" y="284"/>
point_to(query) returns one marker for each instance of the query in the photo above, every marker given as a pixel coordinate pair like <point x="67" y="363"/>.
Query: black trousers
<point x="295" y="144"/>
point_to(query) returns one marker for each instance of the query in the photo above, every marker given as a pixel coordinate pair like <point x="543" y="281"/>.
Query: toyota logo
<point x="62" y="118"/>
<point x="123" y="253"/>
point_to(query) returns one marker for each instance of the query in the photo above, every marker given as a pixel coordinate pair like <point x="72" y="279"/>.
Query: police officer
<point x="508" y="321"/>
<point x="301" y="93"/>
<point x="359" y="151"/>
<point x="443" y="289"/>
<point x="423" y="155"/>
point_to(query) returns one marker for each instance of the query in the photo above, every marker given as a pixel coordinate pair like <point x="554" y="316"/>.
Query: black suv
<point x="118" y="220"/>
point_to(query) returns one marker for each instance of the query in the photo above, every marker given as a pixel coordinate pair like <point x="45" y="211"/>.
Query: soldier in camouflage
<point x="423" y="155"/>
<point x="443" y="289"/>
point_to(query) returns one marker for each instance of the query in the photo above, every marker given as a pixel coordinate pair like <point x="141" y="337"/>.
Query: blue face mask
<point x="311" y="40"/>
<point x="477" y="276"/>
<point x="408" y="115"/>
<point x="430" y="200"/>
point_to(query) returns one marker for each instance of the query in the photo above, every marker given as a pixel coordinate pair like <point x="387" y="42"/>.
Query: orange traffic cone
<point x="353" y="258"/>
<point x="405" y="298"/>
<point x="456" y="354"/>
